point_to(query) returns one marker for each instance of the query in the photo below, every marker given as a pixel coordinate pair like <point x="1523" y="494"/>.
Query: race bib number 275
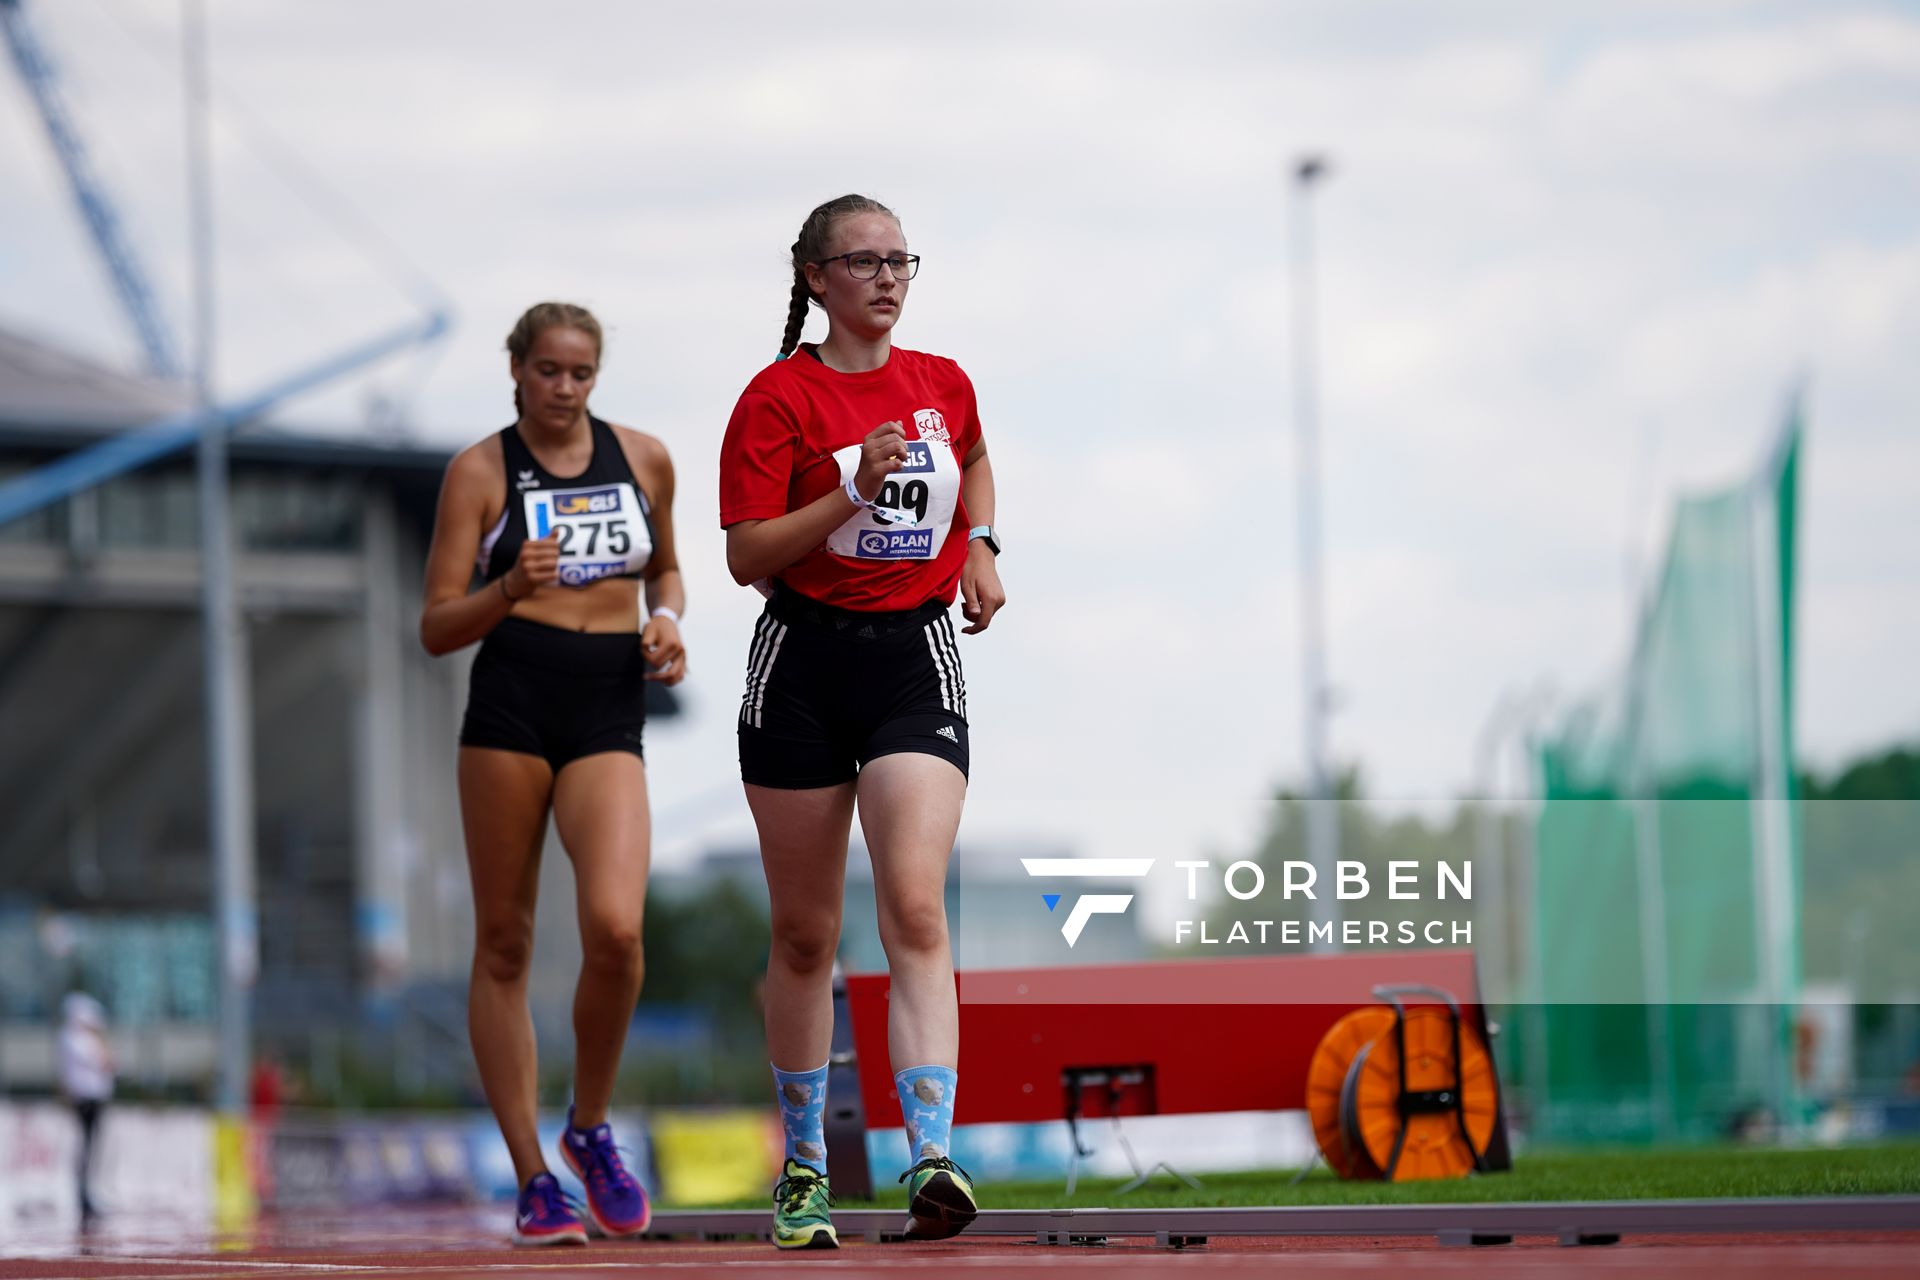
<point x="601" y="530"/>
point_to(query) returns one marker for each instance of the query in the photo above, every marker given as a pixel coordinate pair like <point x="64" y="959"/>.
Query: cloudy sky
<point x="1572" y="258"/>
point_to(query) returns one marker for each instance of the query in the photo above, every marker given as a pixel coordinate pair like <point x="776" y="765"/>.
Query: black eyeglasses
<point x="865" y="265"/>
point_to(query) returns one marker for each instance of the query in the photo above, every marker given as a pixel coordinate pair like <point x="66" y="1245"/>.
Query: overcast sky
<point x="1571" y="259"/>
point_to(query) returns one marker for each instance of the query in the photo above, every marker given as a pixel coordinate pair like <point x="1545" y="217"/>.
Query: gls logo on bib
<point x="589" y="502"/>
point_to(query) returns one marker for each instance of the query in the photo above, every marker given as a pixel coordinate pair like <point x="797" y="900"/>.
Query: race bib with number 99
<point x="926" y="491"/>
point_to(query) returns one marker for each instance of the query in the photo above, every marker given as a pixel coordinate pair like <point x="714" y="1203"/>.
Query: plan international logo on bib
<point x="895" y="544"/>
<point x="578" y="575"/>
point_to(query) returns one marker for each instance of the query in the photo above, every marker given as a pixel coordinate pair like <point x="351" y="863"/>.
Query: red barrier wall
<point x="1220" y="1035"/>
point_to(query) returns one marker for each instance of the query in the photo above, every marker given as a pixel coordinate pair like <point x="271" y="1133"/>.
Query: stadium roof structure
<point x="42" y="386"/>
<point x="53" y="400"/>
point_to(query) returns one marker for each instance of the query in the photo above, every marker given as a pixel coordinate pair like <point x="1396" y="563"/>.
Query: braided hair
<point x="811" y="247"/>
<point x="540" y="317"/>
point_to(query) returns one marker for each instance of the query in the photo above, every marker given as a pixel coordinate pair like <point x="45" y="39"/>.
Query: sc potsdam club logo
<point x="931" y="425"/>
<point x="1087" y="905"/>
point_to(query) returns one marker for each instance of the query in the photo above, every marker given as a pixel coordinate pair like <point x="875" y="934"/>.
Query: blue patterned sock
<point x="802" y="1096"/>
<point x="926" y="1103"/>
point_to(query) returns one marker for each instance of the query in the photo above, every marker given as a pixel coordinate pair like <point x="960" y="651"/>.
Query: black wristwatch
<point x="985" y="533"/>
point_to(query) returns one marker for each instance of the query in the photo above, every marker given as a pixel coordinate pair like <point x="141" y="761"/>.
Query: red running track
<point x="445" y="1242"/>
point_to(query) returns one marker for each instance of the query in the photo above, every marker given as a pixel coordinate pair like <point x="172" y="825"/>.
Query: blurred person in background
<point x="266" y="1094"/>
<point x="566" y="521"/>
<point x="855" y="489"/>
<point x="86" y="1080"/>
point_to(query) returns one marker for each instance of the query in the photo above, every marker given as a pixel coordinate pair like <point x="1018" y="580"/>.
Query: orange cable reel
<point x="1326" y="1075"/>
<point x="1371" y="1120"/>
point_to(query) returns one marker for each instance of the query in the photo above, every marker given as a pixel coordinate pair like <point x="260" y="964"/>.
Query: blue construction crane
<point x="136" y="296"/>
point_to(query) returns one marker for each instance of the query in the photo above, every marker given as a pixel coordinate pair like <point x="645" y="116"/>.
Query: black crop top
<point x="604" y="522"/>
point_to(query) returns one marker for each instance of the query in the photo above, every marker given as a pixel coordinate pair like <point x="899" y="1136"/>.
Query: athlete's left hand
<point x="981" y="595"/>
<point x="660" y="645"/>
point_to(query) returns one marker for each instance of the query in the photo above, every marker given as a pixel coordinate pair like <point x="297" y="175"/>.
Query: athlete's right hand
<point x="538" y="565"/>
<point x="882" y="453"/>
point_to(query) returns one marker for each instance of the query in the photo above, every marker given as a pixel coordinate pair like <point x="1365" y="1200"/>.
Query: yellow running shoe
<point x="800" y="1203"/>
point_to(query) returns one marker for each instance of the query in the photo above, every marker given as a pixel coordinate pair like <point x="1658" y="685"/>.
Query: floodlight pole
<point x="229" y="729"/>
<point x="1323" y="818"/>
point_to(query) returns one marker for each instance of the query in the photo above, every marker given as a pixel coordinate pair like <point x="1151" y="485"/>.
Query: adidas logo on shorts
<point x="946" y="731"/>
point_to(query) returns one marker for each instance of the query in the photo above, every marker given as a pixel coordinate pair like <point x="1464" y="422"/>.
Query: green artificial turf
<point x="1660" y="1174"/>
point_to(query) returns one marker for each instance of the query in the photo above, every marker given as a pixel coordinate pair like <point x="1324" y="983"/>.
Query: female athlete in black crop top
<point x="559" y="514"/>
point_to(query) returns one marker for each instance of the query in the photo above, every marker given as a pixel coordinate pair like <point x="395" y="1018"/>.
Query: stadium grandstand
<point x="104" y="856"/>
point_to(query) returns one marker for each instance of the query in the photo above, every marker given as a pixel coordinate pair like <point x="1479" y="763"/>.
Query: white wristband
<point x="662" y="611"/>
<point x="887" y="514"/>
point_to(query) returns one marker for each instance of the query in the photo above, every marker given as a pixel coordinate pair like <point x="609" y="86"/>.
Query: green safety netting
<point x="1666" y="884"/>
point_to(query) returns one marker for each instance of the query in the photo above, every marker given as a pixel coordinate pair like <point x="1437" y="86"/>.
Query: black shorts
<point x="829" y="690"/>
<point x="558" y="694"/>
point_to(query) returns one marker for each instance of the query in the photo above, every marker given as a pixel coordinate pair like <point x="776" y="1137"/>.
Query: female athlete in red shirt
<point x="855" y="487"/>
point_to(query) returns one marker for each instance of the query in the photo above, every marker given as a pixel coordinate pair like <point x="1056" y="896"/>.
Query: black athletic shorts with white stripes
<point x="829" y="690"/>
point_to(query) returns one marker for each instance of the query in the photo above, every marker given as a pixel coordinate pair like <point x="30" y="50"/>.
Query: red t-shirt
<point x="778" y="457"/>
